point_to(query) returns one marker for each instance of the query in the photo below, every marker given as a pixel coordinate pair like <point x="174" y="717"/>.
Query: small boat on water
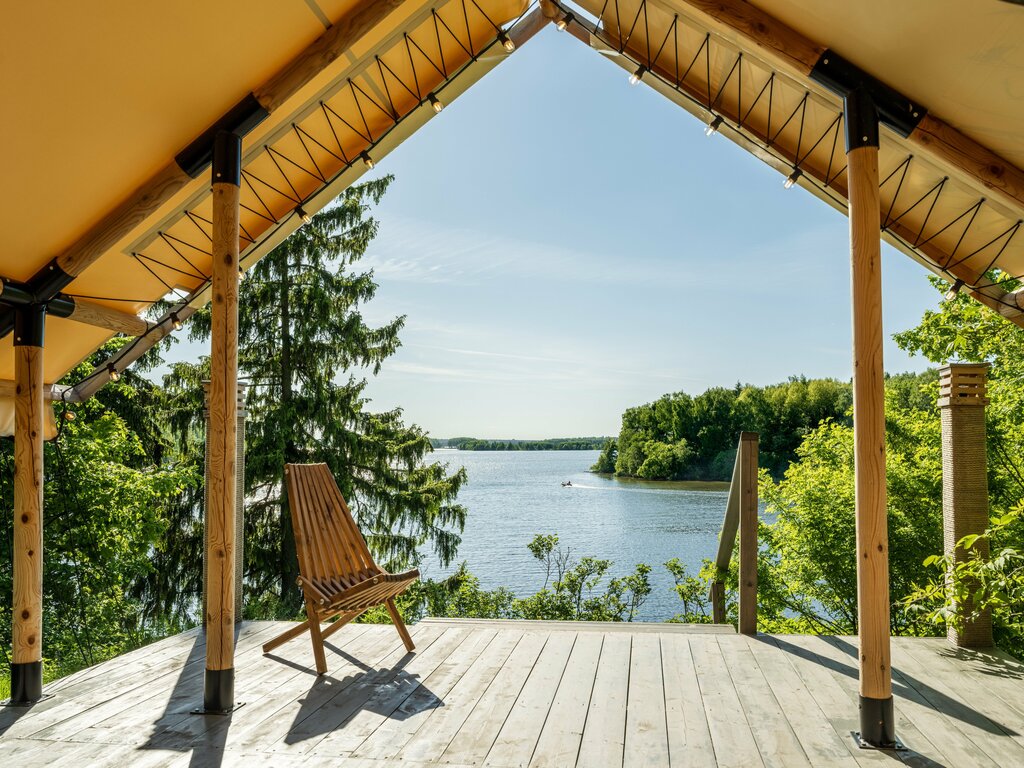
<point x="567" y="484"/>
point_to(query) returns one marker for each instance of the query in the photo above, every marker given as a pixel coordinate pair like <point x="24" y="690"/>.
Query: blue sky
<point x="566" y="246"/>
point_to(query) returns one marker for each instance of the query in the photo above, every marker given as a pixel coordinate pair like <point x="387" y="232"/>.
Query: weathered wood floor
<point x="524" y="694"/>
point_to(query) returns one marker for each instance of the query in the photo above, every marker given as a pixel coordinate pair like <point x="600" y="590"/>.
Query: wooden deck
<point x="480" y="693"/>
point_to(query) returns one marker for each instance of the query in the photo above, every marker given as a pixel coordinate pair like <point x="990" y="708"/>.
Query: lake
<point x="514" y="495"/>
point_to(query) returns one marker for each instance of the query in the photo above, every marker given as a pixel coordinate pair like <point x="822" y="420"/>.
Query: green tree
<point x="605" y="463"/>
<point x="302" y="337"/>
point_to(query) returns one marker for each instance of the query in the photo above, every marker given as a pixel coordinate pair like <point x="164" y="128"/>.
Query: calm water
<point x="514" y="495"/>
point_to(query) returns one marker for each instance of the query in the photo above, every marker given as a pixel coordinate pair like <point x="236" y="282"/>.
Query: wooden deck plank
<point x="627" y="627"/>
<point x="395" y="732"/>
<point x="483" y="688"/>
<point x="731" y="736"/>
<point x="689" y="739"/>
<point x="388" y="696"/>
<point x="604" y="731"/>
<point x="772" y="730"/>
<point x="504" y="694"/>
<point x="518" y="735"/>
<point x="646" y="737"/>
<point x="821" y="742"/>
<point x="559" y="743"/>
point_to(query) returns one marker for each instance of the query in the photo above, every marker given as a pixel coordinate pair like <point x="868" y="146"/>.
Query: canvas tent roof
<point x="106" y="97"/>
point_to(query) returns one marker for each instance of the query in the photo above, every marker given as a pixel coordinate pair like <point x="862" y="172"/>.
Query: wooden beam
<point x="161" y="187"/>
<point x="748" y="534"/>
<point x="869" y="423"/>
<point x="222" y="435"/>
<point x="789" y="49"/>
<point x="9" y="388"/>
<point x="27" y="610"/>
<point x="98" y="315"/>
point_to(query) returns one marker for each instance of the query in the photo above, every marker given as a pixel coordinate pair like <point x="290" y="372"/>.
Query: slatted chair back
<point x="332" y="552"/>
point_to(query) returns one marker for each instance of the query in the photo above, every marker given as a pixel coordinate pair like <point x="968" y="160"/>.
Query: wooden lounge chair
<point x="337" y="573"/>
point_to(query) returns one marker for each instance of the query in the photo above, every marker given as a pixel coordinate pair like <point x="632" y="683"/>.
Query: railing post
<point x="965" y="510"/>
<point x="748" y="451"/>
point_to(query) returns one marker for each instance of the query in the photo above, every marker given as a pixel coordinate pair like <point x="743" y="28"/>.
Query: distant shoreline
<point x="549" y="444"/>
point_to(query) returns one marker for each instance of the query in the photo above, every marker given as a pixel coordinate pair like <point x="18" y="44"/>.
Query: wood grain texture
<point x="122" y="220"/>
<point x="748" y="533"/>
<point x="869" y="425"/>
<point x="222" y="437"/>
<point x="27" y="619"/>
<point x="90" y="313"/>
<point x="324" y="50"/>
<point x="1000" y="177"/>
<point x="736" y="17"/>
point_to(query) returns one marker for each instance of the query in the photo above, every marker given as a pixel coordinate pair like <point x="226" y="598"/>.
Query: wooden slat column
<point x="876" y="707"/>
<point x="27" y="609"/>
<point x="219" y="695"/>
<point x="965" y="509"/>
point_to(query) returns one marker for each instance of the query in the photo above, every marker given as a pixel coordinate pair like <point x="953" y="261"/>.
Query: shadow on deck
<point x="525" y="694"/>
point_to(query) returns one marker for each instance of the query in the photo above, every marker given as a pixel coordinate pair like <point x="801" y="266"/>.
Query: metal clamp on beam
<point x="240" y="119"/>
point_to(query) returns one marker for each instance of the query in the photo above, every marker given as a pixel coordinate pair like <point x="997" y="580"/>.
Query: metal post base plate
<point x="25" y="704"/>
<point x="897" y="745"/>
<point x="201" y="711"/>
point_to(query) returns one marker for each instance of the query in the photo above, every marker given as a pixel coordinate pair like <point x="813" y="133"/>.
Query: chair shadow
<point x="331" y="702"/>
<point x="903" y="683"/>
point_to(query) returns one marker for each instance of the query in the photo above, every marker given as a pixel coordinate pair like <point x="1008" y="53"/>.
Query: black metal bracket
<point x="877" y="725"/>
<point x="861" y="119"/>
<point x="26" y="685"/>
<point x="29" y="324"/>
<point x="218" y="693"/>
<point x="227" y="158"/>
<point x="240" y="119"/>
<point x="842" y="76"/>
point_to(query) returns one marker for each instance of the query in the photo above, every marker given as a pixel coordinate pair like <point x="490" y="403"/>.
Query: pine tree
<point x="303" y="344"/>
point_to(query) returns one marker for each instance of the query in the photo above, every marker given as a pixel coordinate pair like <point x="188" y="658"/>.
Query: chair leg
<point x="318" y="641"/>
<point x="396" y="617"/>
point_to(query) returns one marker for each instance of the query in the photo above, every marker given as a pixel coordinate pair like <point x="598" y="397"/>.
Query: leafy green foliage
<point x="302" y="333"/>
<point x="679" y="437"/>
<point x="605" y="463"/>
<point x="551" y="444"/>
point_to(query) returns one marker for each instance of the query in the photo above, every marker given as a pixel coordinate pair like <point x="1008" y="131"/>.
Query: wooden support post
<point x="748" y="534"/>
<point x="876" y="709"/>
<point x="222" y="437"/>
<point x="965" y="510"/>
<point x="27" y="610"/>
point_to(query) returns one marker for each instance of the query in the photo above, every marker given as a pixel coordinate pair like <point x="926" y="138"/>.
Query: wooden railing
<point x="741" y="516"/>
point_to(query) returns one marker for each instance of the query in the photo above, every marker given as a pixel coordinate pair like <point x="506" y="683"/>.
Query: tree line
<point x="551" y="444"/>
<point x="684" y="437"/>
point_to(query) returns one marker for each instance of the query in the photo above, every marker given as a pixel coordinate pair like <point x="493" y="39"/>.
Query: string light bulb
<point x="435" y="103"/>
<point x="301" y="213"/>
<point x="637" y="76"/>
<point x="713" y="126"/>
<point x="564" y="22"/>
<point x="241" y="273"/>
<point x="176" y="321"/>
<point x="954" y="289"/>
<point x="113" y="373"/>
<point x="69" y="415"/>
<point x="506" y="41"/>
<point x="367" y="160"/>
<point x="792" y="178"/>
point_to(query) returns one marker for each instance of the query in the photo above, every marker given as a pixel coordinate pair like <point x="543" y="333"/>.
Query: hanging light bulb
<point x="435" y="103"/>
<point x="69" y="415"/>
<point x="506" y="41"/>
<point x="176" y="321"/>
<point x="241" y="273"/>
<point x="638" y="75"/>
<point x="301" y="213"/>
<point x="564" y="22"/>
<point x="713" y="126"/>
<point x="112" y="371"/>
<point x="367" y="160"/>
<point x="792" y="178"/>
<point x="954" y="289"/>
